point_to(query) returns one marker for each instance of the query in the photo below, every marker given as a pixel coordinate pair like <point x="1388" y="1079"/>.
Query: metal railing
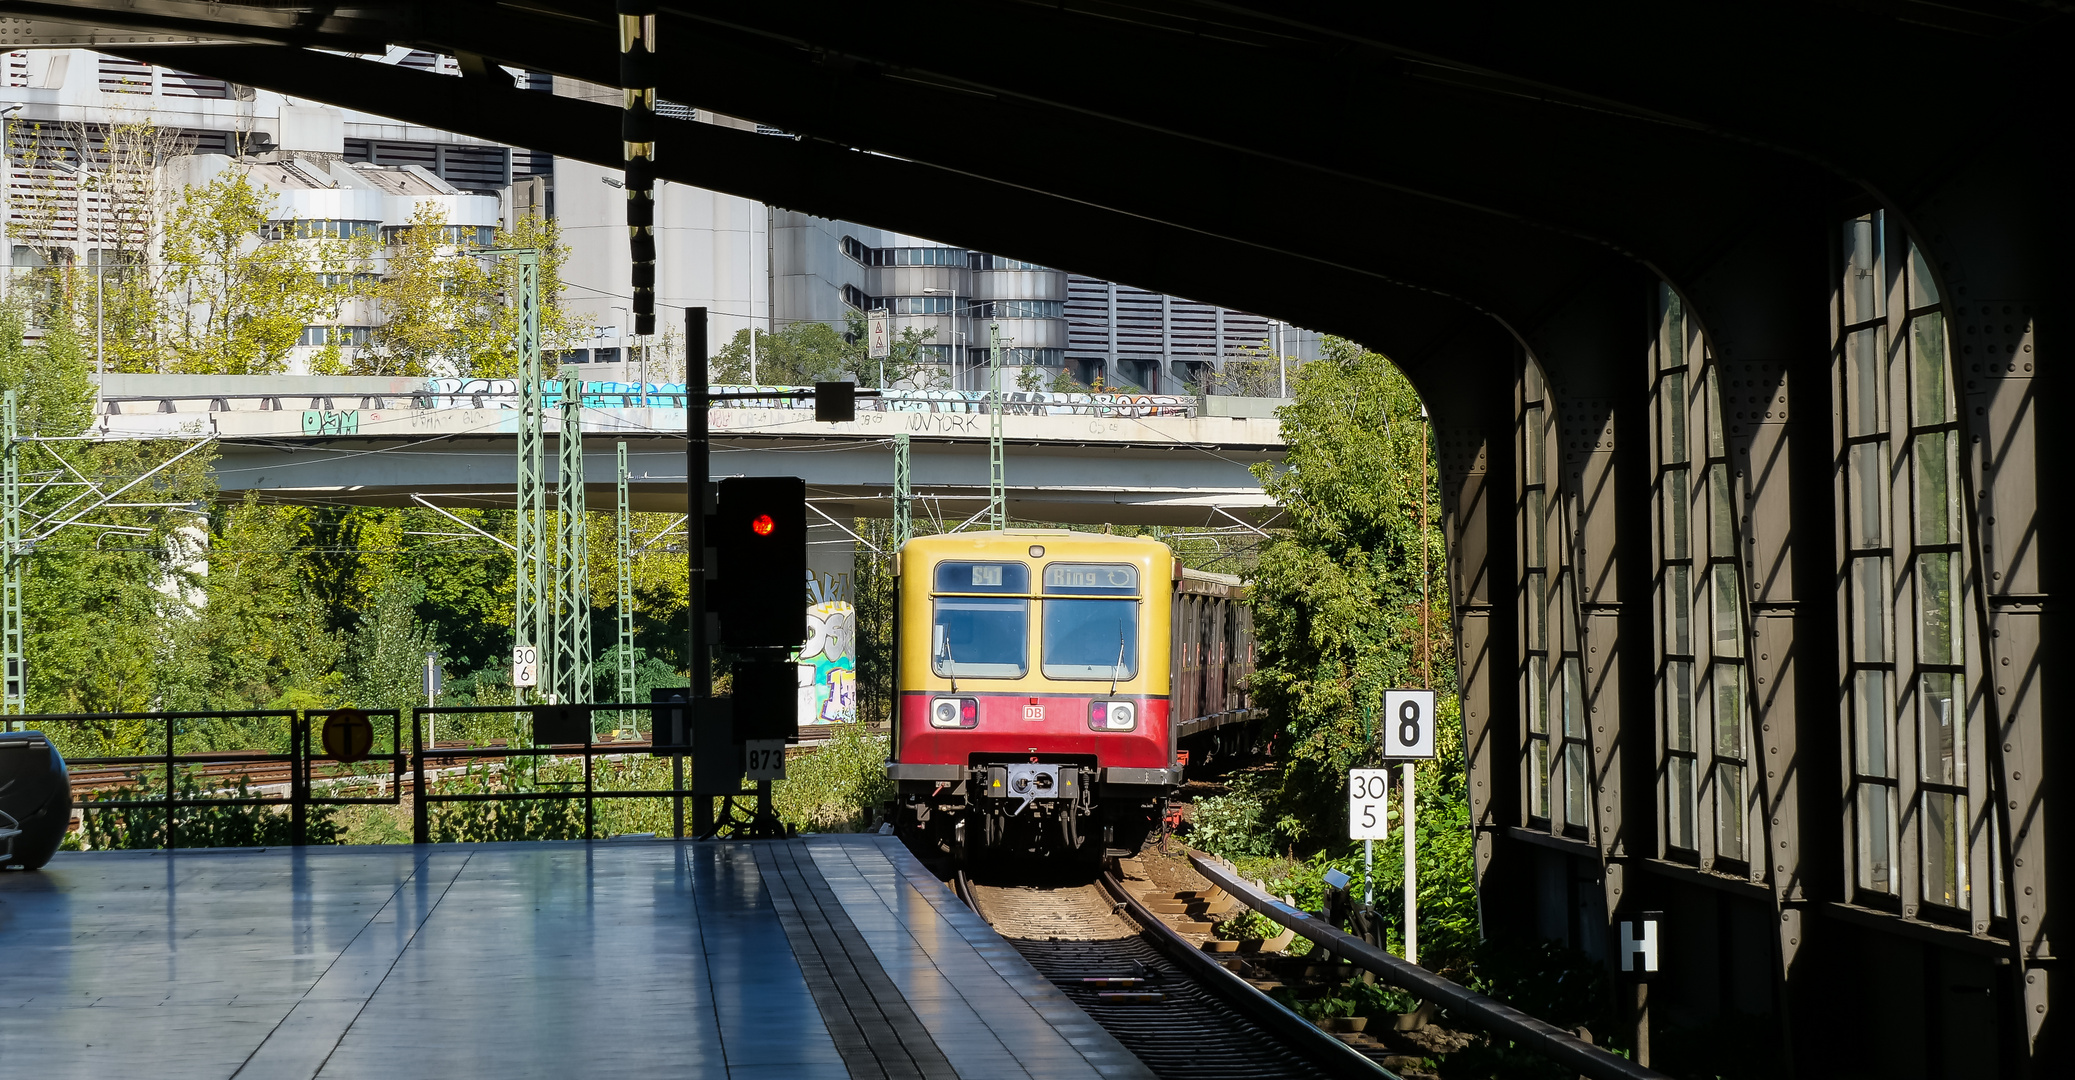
<point x="299" y="761"/>
<point x="1496" y="1017"/>
<point x="424" y="797"/>
<point x="304" y="775"/>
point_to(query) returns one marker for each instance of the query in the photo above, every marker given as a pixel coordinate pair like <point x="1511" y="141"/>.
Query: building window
<point x="918" y="305"/>
<point x="451" y="235"/>
<point x="1020" y="309"/>
<point x="1537" y="597"/>
<point x="337" y="335"/>
<point x="980" y="260"/>
<point x="1034" y="357"/>
<point x="319" y="229"/>
<point x="908" y="256"/>
<point x="1705" y="738"/>
<point x="1915" y="770"/>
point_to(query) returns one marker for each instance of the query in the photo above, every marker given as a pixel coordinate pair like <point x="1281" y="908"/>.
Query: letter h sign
<point x="1637" y="938"/>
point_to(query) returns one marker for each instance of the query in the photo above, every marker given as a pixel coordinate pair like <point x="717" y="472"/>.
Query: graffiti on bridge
<point x="504" y="394"/>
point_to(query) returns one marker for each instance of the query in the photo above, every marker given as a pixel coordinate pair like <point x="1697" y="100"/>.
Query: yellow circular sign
<point x="348" y="735"/>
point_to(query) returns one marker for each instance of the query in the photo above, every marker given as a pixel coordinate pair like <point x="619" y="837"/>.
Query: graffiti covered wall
<point x="828" y="661"/>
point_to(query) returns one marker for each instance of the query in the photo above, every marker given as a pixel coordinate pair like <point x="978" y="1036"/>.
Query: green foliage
<point x="217" y="826"/>
<point x="385" y="661"/>
<point x="803" y="353"/>
<point x="1353" y="997"/>
<point x="503" y="819"/>
<point x="231" y="304"/>
<point x="1338" y="599"/>
<point x="1237" y="824"/>
<point x="872" y="594"/>
<point x="838" y="787"/>
<point x="1550" y="981"/>
<point x="649" y="672"/>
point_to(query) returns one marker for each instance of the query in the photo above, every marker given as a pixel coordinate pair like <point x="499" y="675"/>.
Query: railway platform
<point x="828" y="956"/>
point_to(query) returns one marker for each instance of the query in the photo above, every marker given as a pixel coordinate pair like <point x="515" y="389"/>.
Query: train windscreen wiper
<point x="1117" y="669"/>
<point x="950" y="661"/>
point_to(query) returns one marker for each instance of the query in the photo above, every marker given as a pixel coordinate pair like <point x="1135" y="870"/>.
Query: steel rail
<point x="1226" y="983"/>
<point x="1494" y="1016"/>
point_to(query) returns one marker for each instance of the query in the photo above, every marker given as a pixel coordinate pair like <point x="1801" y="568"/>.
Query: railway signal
<point x="760" y="535"/>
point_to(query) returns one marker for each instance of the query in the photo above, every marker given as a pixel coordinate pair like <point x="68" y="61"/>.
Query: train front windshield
<point x="982" y="637"/>
<point x="1091" y="639"/>
<point x="985" y="633"/>
<point x="1093" y="635"/>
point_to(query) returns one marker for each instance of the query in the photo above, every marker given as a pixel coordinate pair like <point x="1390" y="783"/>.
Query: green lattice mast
<point x="14" y="702"/>
<point x="529" y="609"/>
<point x="624" y="608"/>
<point x="903" y="492"/>
<point x="997" y="486"/>
<point x="572" y="554"/>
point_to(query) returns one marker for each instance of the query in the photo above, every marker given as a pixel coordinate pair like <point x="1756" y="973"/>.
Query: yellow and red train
<point x="1051" y="685"/>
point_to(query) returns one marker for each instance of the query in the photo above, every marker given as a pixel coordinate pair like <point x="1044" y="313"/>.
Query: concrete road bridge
<point x="1145" y="459"/>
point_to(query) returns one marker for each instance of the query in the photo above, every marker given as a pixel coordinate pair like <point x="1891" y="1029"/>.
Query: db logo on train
<point x="347" y="735"/>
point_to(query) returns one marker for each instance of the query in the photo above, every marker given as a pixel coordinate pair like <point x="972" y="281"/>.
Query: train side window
<point x="981" y="637"/>
<point x="1091" y="639"/>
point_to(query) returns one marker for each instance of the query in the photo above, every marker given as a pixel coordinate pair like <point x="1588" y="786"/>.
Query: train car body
<point x="1036" y="686"/>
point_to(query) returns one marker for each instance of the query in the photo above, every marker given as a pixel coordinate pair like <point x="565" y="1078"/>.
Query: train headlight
<point x="1112" y="716"/>
<point x="951" y="712"/>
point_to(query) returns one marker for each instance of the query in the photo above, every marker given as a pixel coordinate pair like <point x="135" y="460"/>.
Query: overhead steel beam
<point x="1341" y="295"/>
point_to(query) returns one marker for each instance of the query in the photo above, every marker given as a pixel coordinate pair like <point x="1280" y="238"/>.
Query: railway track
<point x="1133" y="976"/>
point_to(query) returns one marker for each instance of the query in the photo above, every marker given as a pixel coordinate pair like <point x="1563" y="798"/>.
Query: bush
<point x="514" y="819"/>
<point x="838" y="787"/>
<point x="132" y="828"/>
<point x="1238" y="824"/>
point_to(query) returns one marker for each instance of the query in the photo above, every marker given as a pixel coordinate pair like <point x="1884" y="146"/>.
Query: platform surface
<point x="821" y="957"/>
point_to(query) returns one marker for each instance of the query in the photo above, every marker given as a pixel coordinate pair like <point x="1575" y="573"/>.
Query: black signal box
<point x="767" y="699"/>
<point x="760" y="536"/>
<point x="835" y="402"/>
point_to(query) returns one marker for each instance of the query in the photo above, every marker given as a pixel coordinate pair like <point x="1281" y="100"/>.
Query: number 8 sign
<point x="1408" y="724"/>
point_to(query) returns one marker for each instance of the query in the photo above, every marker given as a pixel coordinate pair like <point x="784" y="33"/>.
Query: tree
<point x="804" y="353"/>
<point x="443" y="303"/>
<point x="235" y="304"/>
<point x="386" y="654"/>
<point x="1337" y="600"/>
<point x="100" y="594"/>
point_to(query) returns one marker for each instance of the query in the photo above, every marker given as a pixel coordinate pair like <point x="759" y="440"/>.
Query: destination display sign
<point x="1092" y="579"/>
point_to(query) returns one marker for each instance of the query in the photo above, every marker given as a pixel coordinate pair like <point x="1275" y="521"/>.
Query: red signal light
<point x="971" y="710"/>
<point x="762" y="525"/>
